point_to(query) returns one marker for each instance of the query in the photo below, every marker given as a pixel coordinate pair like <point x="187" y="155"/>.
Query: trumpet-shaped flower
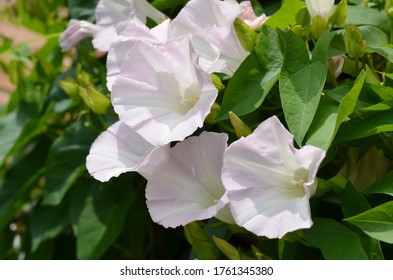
<point x="269" y="181"/>
<point x="111" y="18"/>
<point x="161" y="93"/>
<point x="118" y="150"/>
<point x="76" y="31"/>
<point x="113" y="15"/>
<point x="249" y="17"/>
<point x="211" y="24"/>
<point x="186" y="186"/>
<point x="134" y="31"/>
<point x="322" y="8"/>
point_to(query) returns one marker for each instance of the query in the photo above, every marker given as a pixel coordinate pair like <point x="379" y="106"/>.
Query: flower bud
<point x="340" y="13"/>
<point x="246" y="35"/>
<point x="321" y="8"/>
<point x="95" y="100"/>
<point x="217" y="82"/>
<point x="318" y="27"/>
<point x="241" y="129"/>
<point x="354" y="42"/>
<point x="70" y="88"/>
<point x="389" y="8"/>
<point x="214" y="111"/>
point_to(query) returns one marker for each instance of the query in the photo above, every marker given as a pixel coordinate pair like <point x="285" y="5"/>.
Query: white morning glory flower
<point x="161" y="93"/>
<point x="111" y="18"/>
<point x="186" y="186"/>
<point x="118" y="150"/>
<point x="76" y="31"/>
<point x="322" y="8"/>
<point x="133" y="32"/>
<point x="211" y="24"/>
<point x="269" y="181"/>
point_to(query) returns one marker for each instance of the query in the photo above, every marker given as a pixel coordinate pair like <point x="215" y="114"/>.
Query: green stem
<point x="357" y="65"/>
<point x="391" y="32"/>
<point x="389" y="67"/>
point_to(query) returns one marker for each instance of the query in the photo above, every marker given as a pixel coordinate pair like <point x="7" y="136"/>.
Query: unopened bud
<point x="241" y="129"/>
<point x="214" y="111"/>
<point x="217" y="82"/>
<point x="70" y="88"/>
<point x="246" y="35"/>
<point x="389" y="8"/>
<point x="95" y="100"/>
<point x="318" y="27"/>
<point x="340" y="13"/>
<point x="354" y="42"/>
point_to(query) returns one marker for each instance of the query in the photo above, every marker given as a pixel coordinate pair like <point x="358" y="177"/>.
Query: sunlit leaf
<point x="336" y="241"/>
<point x="301" y="81"/>
<point x="254" y="78"/>
<point x="376" y="222"/>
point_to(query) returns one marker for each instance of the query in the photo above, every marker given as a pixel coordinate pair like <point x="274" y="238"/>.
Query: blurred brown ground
<point x="18" y="34"/>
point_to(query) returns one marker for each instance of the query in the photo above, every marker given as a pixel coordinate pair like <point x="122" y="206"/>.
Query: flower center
<point x="188" y="101"/>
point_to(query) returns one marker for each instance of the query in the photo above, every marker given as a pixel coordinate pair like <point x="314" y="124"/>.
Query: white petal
<point x="249" y="17"/>
<point x="112" y="18"/>
<point x="118" y="150"/>
<point x="104" y="37"/>
<point x="161" y="93"/>
<point x="206" y="20"/>
<point x="269" y="181"/>
<point x="76" y="31"/>
<point x="231" y="52"/>
<point x="144" y="10"/>
<point x="310" y="158"/>
<point x="322" y="8"/>
<point x="133" y="32"/>
<point x="187" y="186"/>
<point x="283" y="216"/>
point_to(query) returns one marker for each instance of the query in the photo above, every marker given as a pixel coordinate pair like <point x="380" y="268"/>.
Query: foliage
<point x="51" y="208"/>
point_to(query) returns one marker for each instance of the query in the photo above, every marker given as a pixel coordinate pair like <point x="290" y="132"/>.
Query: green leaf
<point x="286" y="15"/>
<point x="302" y="81"/>
<point x="199" y="241"/>
<point x="47" y="223"/>
<point x="370" y="124"/>
<point x="6" y="241"/>
<point x="10" y="129"/>
<point x="167" y="4"/>
<point x="348" y="102"/>
<point x="352" y="201"/>
<point x="19" y="128"/>
<point x="376" y="222"/>
<point x="324" y="123"/>
<point x="322" y="128"/>
<point x="78" y="196"/>
<point x="363" y="16"/>
<point x="66" y="161"/>
<point x="17" y="182"/>
<point x="287" y="250"/>
<point x="336" y="241"/>
<point x="246" y="35"/>
<point x="103" y="215"/>
<point x="383" y="185"/>
<point x="82" y="9"/>
<point x="374" y="36"/>
<point x="227" y="249"/>
<point x="255" y="77"/>
<point x="385" y="50"/>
